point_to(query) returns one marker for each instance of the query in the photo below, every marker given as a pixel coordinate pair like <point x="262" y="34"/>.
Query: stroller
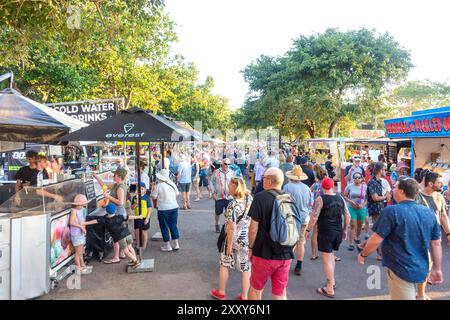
<point x="98" y="241"/>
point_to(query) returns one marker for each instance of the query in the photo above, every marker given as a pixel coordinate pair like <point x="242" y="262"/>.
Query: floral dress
<point x="238" y="260"/>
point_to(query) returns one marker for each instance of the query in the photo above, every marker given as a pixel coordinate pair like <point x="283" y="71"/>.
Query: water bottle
<point x="69" y="171"/>
<point x="40" y="180"/>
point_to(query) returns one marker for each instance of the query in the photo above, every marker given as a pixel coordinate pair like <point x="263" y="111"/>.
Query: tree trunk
<point x="311" y="128"/>
<point x="332" y="128"/>
<point x="128" y="99"/>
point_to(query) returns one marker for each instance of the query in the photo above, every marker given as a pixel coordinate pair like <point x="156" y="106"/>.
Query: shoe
<point x="189" y="206"/>
<point x="130" y="263"/>
<point x="366" y="237"/>
<point x="166" y="248"/>
<point x="358" y="241"/>
<point x="85" y="271"/>
<point x="175" y="245"/>
<point x="215" y="294"/>
<point x="351" y="248"/>
<point x="239" y="297"/>
<point x="298" y="271"/>
<point x="89" y="267"/>
<point x="217" y="228"/>
<point x="197" y="200"/>
<point x="136" y="264"/>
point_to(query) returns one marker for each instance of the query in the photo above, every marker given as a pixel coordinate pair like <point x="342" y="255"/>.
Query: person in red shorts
<point x="268" y="258"/>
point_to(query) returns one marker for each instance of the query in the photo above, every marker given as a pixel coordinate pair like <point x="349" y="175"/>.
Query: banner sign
<point x="430" y="125"/>
<point x="90" y="111"/>
<point x="366" y="134"/>
<point x="6" y="146"/>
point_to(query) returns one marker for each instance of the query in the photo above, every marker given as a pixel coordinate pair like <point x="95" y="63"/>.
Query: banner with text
<point x="89" y="111"/>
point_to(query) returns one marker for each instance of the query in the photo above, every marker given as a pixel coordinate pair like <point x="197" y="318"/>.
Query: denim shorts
<point x="79" y="240"/>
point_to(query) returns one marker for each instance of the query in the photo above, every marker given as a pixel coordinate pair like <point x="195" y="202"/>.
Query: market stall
<point x="35" y="246"/>
<point x="430" y="134"/>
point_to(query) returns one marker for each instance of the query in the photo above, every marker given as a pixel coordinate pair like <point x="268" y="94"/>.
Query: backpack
<point x="285" y="224"/>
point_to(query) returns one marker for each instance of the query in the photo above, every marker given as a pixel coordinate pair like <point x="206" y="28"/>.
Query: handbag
<point x="223" y="234"/>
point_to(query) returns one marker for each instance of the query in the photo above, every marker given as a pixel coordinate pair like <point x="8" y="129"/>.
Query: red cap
<point x="327" y="184"/>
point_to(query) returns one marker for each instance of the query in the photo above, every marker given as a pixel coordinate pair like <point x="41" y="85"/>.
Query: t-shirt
<point x="374" y="186"/>
<point x="259" y="171"/>
<point x="303" y="197"/>
<point x="116" y="228"/>
<point x="264" y="247"/>
<point x="407" y="229"/>
<point x="310" y="174"/>
<point x="272" y="162"/>
<point x="330" y="169"/>
<point x="146" y="203"/>
<point x="25" y="174"/>
<point x="35" y="174"/>
<point x="357" y="194"/>
<point x="185" y="171"/>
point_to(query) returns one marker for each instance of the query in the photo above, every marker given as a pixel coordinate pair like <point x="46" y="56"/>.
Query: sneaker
<point x="215" y="294"/>
<point x="166" y="248"/>
<point x="175" y="245"/>
<point x="85" y="271"/>
<point x="89" y="267"/>
<point x="357" y="241"/>
<point x="217" y="228"/>
<point x="197" y="200"/>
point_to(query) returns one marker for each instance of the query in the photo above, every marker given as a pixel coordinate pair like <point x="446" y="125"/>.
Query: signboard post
<point x="89" y="111"/>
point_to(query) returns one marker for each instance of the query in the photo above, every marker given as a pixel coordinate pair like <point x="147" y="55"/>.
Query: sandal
<point x="215" y="294"/>
<point x="239" y="297"/>
<point x="379" y="258"/>
<point x="323" y="292"/>
<point x="314" y="258"/>
<point x="135" y="264"/>
<point x="337" y="259"/>
<point x="123" y="258"/>
<point x="110" y="262"/>
<point x="351" y="248"/>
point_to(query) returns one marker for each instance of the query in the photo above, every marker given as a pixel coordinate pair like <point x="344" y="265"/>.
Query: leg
<point x="254" y="294"/>
<point x="359" y="224"/>
<point x="162" y="219"/>
<point x="78" y="257"/>
<point x="367" y="227"/>
<point x="172" y="223"/>
<point x="328" y="268"/>
<point x="223" y="279"/>
<point x="116" y="251"/>
<point x="136" y="234"/>
<point x="145" y="238"/>
<point x="245" y="284"/>
<point x="352" y="231"/>
<point x="130" y="255"/>
<point x="314" y="243"/>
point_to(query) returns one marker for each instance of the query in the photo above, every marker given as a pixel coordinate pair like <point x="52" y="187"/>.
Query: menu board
<point x="90" y="190"/>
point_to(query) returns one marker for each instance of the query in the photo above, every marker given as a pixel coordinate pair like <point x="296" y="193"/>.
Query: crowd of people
<point x="248" y="188"/>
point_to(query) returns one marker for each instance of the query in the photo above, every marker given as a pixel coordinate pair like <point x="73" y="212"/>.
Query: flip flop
<point x="110" y="262"/>
<point x="379" y="258"/>
<point x="314" y="258"/>
<point x="323" y="292"/>
<point x="337" y="259"/>
<point x="122" y="258"/>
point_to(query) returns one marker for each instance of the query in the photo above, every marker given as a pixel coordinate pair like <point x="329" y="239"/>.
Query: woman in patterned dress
<point x="234" y="253"/>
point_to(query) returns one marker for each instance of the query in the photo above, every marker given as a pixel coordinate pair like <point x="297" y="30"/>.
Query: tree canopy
<point x="322" y="80"/>
<point x="80" y="49"/>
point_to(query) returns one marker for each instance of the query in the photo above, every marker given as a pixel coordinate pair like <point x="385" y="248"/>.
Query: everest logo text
<point x="126" y="128"/>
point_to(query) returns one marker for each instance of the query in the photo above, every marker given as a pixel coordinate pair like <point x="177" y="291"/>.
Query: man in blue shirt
<point x="407" y="232"/>
<point x="304" y="201"/>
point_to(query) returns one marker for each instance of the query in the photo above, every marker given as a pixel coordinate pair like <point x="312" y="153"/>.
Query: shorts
<point x="357" y="214"/>
<point x="79" y="240"/>
<point x="221" y="205"/>
<point x="277" y="270"/>
<point x="185" y="187"/>
<point x="125" y="242"/>
<point x="140" y="222"/>
<point x="302" y="235"/>
<point x="203" y="181"/>
<point x="329" y="242"/>
<point x="196" y="180"/>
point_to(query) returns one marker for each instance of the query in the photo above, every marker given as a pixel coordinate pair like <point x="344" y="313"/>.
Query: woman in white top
<point x="166" y="192"/>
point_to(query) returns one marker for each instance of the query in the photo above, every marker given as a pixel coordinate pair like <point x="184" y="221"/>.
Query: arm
<point x="88" y="223"/>
<point x="436" y="256"/>
<point x="99" y="180"/>
<point x="445" y="223"/>
<point x="134" y="217"/>
<point x="318" y="205"/>
<point x="230" y="229"/>
<point x="18" y="185"/>
<point x="348" y="176"/>
<point x="252" y="232"/>
<point x="377" y="198"/>
<point x="73" y="220"/>
<point x="371" y="245"/>
<point x="149" y="209"/>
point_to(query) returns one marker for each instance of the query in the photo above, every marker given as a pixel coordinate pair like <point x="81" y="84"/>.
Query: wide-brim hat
<point x="296" y="174"/>
<point x="80" y="200"/>
<point x="163" y="175"/>
<point x="401" y="166"/>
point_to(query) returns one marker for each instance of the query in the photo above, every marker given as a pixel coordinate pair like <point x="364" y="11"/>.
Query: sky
<point x="223" y="37"/>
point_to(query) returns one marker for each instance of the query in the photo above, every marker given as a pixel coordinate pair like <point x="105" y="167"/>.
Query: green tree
<point x="325" y="78"/>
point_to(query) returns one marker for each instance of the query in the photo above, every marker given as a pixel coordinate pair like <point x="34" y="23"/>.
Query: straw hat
<point x="163" y="175"/>
<point x="296" y="174"/>
<point x="80" y="200"/>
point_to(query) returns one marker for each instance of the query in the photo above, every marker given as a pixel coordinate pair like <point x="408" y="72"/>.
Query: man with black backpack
<point x="274" y="231"/>
<point x="328" y="211"/>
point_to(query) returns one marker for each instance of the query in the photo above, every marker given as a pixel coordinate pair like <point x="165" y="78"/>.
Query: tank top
<point x="120" y="210"/>
<point x="75" y="231"/>
<point x="330" y="218"/>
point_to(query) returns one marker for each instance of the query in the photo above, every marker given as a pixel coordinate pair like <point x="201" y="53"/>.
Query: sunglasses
<point x="357" y="178"/>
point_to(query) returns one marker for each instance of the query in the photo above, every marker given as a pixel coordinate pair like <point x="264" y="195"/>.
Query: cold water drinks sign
<point x="88" y="111"/>
<point x="434" y="125"/>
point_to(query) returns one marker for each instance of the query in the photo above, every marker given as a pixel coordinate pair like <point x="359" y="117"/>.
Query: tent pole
<point x="138" y="190"/>
<point x="162" y="155"/>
